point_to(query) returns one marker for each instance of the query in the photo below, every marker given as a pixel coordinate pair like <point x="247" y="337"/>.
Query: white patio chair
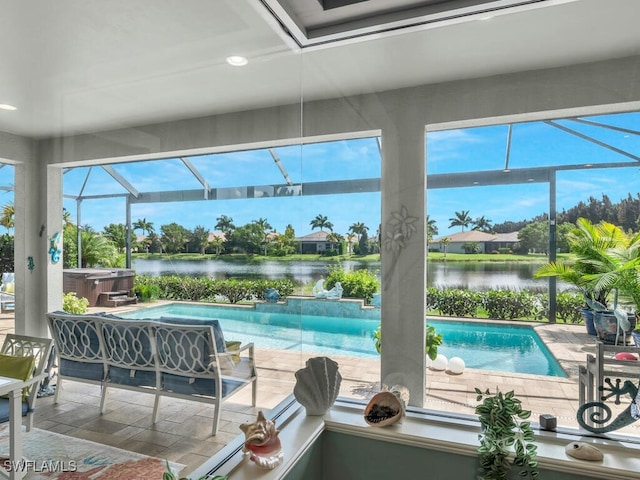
<point x="7" y="293"/>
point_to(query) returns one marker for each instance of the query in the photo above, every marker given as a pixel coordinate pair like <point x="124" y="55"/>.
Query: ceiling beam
<point x="196" y="173"/>
<point x="121" y="180"/>
<point x="591" y="139"/>
<point x="283" y="171"/>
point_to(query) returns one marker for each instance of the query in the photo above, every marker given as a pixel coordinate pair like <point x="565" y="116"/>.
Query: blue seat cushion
<point x="89" y="371"/>
<point x="198" y="386"/>
<point x="211" y="322"/>
<point x="140" y="378"/>
<point x="4" y="409"/>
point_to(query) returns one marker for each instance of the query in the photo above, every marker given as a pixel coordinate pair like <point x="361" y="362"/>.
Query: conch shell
<point x="387" y="407"/>
<point x="262" y="443"/>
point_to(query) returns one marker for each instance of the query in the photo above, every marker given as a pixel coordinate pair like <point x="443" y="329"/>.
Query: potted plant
<point x="505" y="432"/>
<point x="169" y="475"/>
<point x="597" y="269"/>
<point x="432" y="341"/>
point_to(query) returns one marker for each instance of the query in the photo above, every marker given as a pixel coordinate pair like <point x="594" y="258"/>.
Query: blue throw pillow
<point x="212" y="322"/>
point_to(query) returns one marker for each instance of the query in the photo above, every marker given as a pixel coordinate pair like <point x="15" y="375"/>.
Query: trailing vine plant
<point x="503" y="433"/>
<point x="169" y="475"/>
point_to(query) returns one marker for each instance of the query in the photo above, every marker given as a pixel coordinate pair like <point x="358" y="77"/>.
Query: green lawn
<point x="493" y="257"/>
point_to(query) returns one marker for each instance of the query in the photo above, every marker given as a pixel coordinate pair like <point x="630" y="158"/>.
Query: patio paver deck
<point x="182" y="433"/>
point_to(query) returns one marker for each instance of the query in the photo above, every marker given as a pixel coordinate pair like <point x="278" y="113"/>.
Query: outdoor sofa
<point x="172" y="357"/>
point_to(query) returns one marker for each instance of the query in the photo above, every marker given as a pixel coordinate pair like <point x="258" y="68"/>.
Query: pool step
<point x="115" y="299"/>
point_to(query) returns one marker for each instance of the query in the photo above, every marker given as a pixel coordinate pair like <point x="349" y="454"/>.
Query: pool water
<point x="482" y="345"/>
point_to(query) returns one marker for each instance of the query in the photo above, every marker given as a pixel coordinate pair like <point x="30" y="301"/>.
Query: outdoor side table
<point x="13" y="388"/>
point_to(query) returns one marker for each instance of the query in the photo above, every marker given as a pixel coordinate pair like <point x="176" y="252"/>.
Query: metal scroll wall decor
<point x="596" y="417"/>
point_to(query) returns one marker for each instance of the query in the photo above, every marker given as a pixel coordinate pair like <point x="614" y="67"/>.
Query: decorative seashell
<point x="262" y="443"/>
<point x="387" y="407"/>
<point x="317" y="385"/>
<point x="584" y="451"/>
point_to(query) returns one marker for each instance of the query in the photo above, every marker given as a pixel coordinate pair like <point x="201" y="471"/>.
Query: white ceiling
<point x="73" y="66"/>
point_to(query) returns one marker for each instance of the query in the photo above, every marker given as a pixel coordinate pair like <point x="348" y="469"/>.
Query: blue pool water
<point x="507" y="348"/>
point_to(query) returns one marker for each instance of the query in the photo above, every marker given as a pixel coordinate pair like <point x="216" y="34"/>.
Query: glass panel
<point x="489" y="241"/>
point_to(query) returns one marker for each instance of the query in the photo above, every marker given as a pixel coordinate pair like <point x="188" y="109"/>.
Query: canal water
<point x="472" y="275"/>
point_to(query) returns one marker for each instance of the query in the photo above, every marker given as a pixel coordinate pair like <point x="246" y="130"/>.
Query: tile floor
<point x="182" y="433"/>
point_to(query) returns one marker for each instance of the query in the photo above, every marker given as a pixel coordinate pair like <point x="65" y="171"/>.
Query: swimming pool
<point x="507" y="348"/>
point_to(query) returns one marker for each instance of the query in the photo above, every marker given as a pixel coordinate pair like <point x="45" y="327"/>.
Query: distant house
<point x="487" y="242"/>
<point x="315" y="242"/>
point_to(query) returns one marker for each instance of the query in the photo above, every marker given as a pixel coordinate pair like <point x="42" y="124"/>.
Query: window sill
<point x="419" y="429"/>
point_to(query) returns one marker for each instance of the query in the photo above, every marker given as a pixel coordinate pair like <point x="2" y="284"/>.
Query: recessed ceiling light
<point x="237" y="60"/>
<point x="6" y="106"/>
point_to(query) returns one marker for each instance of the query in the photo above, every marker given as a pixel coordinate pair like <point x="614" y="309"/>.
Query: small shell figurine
<point x="261" y="442"/>
<point x="387" y="407"/>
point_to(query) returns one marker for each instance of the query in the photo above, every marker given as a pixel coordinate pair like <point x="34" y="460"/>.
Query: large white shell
<point x="584" y="451"/>
<point x="317" y="385"/>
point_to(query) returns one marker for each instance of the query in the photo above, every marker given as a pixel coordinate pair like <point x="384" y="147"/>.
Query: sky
<point x="449" y="151"/>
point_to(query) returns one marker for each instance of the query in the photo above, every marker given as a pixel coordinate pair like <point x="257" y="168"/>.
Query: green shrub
<point x="456" y="302"/>
<point x="148" y="292"/>
<point x="471" y="247"/>
<point x="509" y="304"/>
<point x="356" y="284"/>
<point x="568" y="305"/>
<point x="173" y="287"/>
<point x="73" y="304"/>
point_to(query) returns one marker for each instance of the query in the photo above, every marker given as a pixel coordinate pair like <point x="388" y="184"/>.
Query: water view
<point x="474" y="275"/>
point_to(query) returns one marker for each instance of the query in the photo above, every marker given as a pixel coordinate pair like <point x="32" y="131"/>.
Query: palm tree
<point x="200" y="238"/>
<point x="358" y="228"/>
<point x="432" y="229"/>
<point x="321" y="222"/>
<point x="7" y="219"/>
<point x="350" y="237"/>
<point x="606" y="259"/>
<point x="97" y="250"/>
<point x="444" y="242"/>
<point x="265" y="227"/>
<point x="66" y="219"/>
<point x="482" y="224"/>
<point x="462" y="219"/>
<point x="334" y="238"/>
<point x="217" y="243"/>
<point x="225" y="225"/>
<point x="142" y="225"/>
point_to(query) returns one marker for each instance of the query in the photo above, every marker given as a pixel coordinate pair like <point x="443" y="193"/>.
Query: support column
<point x="552" y="244"/>
<point x="38" y="217"/>
<point x="403" y="256"/>
<point x="127" y="230"/>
